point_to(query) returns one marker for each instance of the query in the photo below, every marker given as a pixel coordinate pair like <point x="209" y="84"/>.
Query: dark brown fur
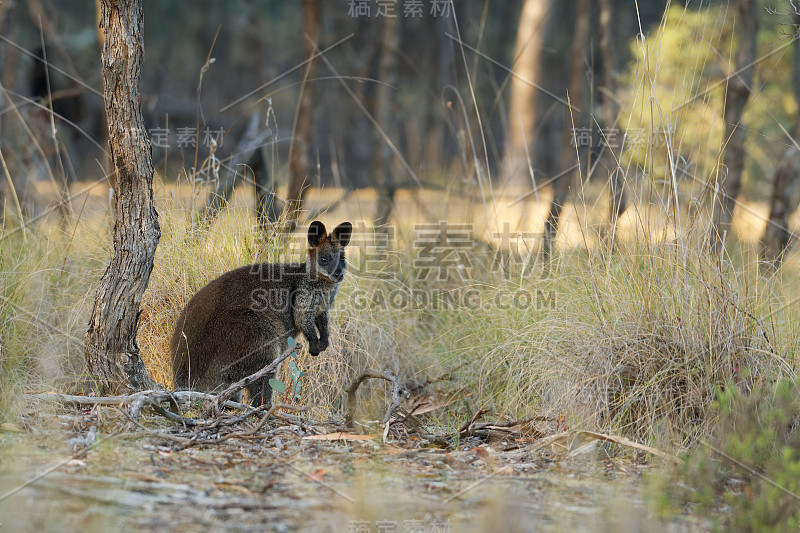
<point x="241" y="321"/>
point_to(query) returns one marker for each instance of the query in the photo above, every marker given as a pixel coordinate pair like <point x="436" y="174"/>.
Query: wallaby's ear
<point x="316" y="233"/>
<point x="342" y="233"/>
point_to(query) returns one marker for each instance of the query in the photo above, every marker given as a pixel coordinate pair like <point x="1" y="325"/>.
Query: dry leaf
<point x="234" y="488"/>
<point x="8" y="427"/>
<point x="425" y="404"/>
<point x="317" y="475"/>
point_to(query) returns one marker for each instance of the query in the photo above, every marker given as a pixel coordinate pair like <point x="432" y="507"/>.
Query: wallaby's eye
<point x="323" y="259"/>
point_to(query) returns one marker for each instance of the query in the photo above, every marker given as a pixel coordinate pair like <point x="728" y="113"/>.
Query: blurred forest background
<point x="436" y="79"/>
<point x="646" y="151"/>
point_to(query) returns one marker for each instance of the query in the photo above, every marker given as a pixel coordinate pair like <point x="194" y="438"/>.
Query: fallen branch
<point x="158" y="395"/>
<point x="397" y="391"/>
<point x="572" y="440"/>
<point x="340" y="436"/>
<point x="153" y="398"/>
<point x="166" y="436"/>
<point x="228" y="393"/>
<point x="624" y="442"/>
<point x="465" y="430"/>
<point x="195" y="440"/>
<point x="511" y="428"/>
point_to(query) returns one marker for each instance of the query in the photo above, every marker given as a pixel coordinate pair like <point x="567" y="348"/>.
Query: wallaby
<point x="242" y="321"/>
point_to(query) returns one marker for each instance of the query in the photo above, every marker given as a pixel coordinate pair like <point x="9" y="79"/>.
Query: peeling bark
<point x="111" y="351"/>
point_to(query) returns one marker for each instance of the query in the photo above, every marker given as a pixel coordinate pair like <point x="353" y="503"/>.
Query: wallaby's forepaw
<point x="317" y="347"/>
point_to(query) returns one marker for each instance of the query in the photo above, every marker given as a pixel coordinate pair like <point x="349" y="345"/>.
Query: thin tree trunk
<point x="786" y="185"/>
<point x="8" y="58"/>
<point x="522" y="106"/>
<point x="101" y="36"/>
<point x="567" y="157"/>
<point x="268" y="204"/>
<point x="782" y="204"/>
<point x="248" y="152"/>
<point x="301" y="140"/>
<point x="608" y="51"/>
<point x="736" y="98"/>
<point x="111" y="351"/>
<point x="382" y="157"/>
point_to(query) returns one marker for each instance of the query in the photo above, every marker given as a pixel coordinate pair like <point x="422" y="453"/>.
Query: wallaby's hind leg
<point x="264" y="353"/>
<point x="237" y="344"/>
<point x="260" y="392"/>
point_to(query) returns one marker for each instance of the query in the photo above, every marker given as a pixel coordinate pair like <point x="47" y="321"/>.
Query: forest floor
<point x="91" y="470"/>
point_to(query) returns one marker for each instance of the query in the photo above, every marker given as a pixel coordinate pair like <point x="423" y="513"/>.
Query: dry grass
<point x="636" y="342"/>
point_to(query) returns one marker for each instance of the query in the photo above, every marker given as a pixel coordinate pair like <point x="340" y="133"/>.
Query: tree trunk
<point x="268" y="204"/>
<point x="733" y="142"/>
<point x="111" y="351"/>
<point x="522" y="106"/>
<point x="783" y="203"/>
<point x="382" y="156"/>
<point x="608" y="52"/>
<point x="786" y="185"/>
<point x="567" y="157"/>
<point x="301" y="140"/>
<point x="247" y="156"/>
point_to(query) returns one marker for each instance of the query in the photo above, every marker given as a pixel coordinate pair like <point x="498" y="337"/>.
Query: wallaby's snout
<point x="326" y="252"/>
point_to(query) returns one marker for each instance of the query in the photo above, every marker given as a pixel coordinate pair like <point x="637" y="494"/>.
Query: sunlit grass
<point x="635" y="341"/>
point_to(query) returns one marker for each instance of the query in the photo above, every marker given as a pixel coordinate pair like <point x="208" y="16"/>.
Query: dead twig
<point x="571" y="441"/>
<point x="139" y="400"/>
<point x="398" y="391"/>
<point x="153" y="398"/>
<point x="131" y="406"/>
<point x="466" y="430"/>
<point x="228" y="393"/>
<point x="167" y="436"/>
<point x="195" y="440"/>
<point x="159" y="395"/>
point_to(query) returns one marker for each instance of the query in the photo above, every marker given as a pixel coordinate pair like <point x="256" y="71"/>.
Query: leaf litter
<point x="295" y="474"/>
